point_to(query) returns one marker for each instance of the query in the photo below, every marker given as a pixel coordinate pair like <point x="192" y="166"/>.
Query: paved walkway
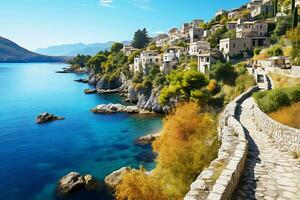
<point x="269" y="173"/>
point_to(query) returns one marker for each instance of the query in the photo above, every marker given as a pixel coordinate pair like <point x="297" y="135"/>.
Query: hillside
<point x="75" y="49"/>
<point x="11" y="52"/>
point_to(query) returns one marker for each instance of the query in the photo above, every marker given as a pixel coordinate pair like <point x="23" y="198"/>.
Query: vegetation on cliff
<point x="186" y="146"/>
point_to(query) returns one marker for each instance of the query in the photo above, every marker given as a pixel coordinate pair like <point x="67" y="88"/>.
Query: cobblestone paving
<point x="269" y="174"/>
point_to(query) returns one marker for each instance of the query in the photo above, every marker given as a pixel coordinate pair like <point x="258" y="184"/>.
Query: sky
<point x="41" y="23"/>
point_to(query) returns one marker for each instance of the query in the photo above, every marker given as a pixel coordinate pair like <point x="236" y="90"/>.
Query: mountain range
<point x="75" y="49"/>
<point x="12" y="52"/>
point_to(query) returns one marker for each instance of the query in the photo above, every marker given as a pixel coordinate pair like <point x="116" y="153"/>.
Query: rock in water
<point x="115" y="108"/>
<point x="47" y="117"/>
<point x="147" y="139"/>
<point x="70" y="183"/>
<point x="91" y="183"/>
<point x="115" y="178"/>
<point x="90" y="91"/>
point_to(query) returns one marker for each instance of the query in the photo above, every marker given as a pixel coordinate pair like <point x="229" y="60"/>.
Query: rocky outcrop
<point x="65" y="70"/>
<point x="115" y="178"/>
<point x="147" y="139"/>
<point x="109" y="91"/>
<point x="70" y="183"/>
<point x="47" y="117"/>
<point x="82" y="80"/>
<point x="115" y="108"/>
<point x="73" y="182"/>
<point x="90" y="91"/>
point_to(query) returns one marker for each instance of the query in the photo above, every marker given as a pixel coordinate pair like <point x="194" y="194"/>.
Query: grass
<point x="282" y="81"/>
<point x="288" y="115"/>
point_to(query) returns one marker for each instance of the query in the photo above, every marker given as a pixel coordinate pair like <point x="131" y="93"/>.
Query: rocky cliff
<point x="144" y="98"/>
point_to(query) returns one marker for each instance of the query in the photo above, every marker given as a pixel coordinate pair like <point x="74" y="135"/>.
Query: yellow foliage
<point x="262" y="56"/>
<point x="288" y="116"/>
<point x="137" y="185"/>
<point x="280" y="80"/>
<point x="287" y="51"/>
<point x="212" y="86"/>
<point x="188" y="144"/>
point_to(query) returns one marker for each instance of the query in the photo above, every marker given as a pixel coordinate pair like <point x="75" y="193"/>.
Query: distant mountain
<point x="74" y="49"/>
<point x="11" y="52"/>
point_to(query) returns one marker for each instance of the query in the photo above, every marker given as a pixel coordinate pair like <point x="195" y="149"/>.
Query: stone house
<point x="231" y="25"/>
<point x="146" y="59"/>
<point x="231" y="47"/>
<point x="216" y="27"/>
<point x="251" y="29"/>
<point x="195" y="47"/>
<point x="197" y="22"/>
<point x="128" y="49"/>
<point x="195" y="34"/>
<point x="171" y="59"/>
<point x="266" y="7"/>
<point x="233" y="13"/>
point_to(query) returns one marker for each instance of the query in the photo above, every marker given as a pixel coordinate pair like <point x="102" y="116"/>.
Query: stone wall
<point x="220" y="179"/>
<point x="286" y="138"/>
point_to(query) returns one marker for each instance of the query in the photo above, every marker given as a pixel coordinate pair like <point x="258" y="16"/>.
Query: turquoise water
<point x="34" y="157"/>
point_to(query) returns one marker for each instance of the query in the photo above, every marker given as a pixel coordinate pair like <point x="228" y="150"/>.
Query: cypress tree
<point x="141" y="39"/>
<point x="293" y="7"/>
<point x="275" y="7"/>
<point x="295" y="18"/>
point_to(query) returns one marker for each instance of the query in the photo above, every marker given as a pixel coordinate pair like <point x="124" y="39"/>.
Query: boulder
<point x="147" y="139"/>
<point x="91" y="183"/>
<point x="47" y="117"/>
<point x="115" y="108"/>
<point x="70" y="183"/>
<point x="66" y="70"/>
<point x="90" y="91"/>
<point x="115" y="178"/>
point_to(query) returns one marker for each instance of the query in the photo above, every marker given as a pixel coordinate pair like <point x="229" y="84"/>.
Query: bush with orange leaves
<point x="188" y="144"/>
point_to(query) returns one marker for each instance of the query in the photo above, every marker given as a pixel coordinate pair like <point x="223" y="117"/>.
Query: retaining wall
<point x="220" y="179"/>
<point x="286" y="138"/>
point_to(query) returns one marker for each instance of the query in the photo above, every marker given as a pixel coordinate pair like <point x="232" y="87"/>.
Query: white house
<point x="196" y="33"/>
<point x="252" y="29"/>
<point x="195" y="47"/>
<point x="171" y="59"/>
<point x="145" y="59"/>
<point x="220" y="12"/>
<point x="205" y="60"/>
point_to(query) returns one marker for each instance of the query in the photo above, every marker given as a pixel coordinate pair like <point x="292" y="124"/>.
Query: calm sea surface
<point x="34" y="157"/>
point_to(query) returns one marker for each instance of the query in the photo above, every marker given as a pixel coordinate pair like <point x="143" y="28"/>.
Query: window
<point x="227" y="46"/>
<point x="234" y="46"/>
<point x="207" y="59"/>
<point x="244" y="45"/>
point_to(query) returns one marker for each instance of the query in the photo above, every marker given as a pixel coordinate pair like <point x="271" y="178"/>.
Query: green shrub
<point x="273" y="100"/>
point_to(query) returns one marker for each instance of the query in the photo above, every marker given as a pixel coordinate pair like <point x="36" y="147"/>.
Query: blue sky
<point x="41" y="23"/>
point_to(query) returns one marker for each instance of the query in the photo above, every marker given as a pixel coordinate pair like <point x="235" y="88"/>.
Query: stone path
<point x="269" y="174"/>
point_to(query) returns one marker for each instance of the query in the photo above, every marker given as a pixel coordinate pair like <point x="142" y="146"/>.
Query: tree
<point x="116" y="47"/>
<point x="295" y="17"/>
<point x="214" y="38"/>
<point x="294" y="37"/>
<point x="223" y="72"/>
<point x="282" y="26"/>
<point x="96" y="62"/>
<point x="79" y="61"/>
<point x="140" y="39"/>
<point x="275" y="7"/>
